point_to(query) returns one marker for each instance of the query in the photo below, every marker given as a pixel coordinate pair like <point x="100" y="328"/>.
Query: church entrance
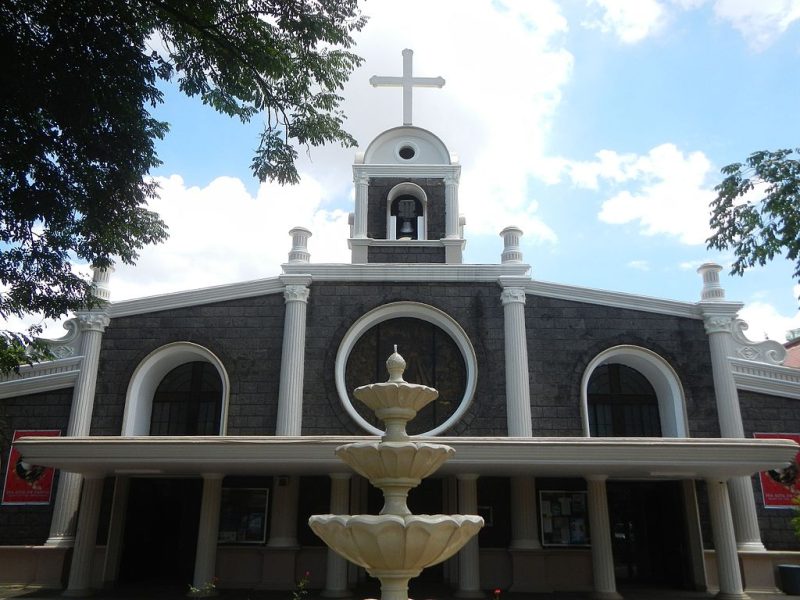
<point x="160" y="537"/>
<point x="648" y="532"/>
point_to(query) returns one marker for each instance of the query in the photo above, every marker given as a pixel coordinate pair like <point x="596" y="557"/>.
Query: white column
<point x="205" y="562"/>
<point x="362" y="206"/>
<point x="336" y="569"/>
<point x="451" y="230"/>
<point x="116" y="530"/>
<point x="469" y="580"/>
<point x="718" y="318"/>
<point x="524" y="524"/>
<point x="605" y="584"/>
<point x="730" y="579"/>
<point x="92" y="325"/>
<point x="283" y="516"/>
<point x="80" y="572"/>
<point x="518" y="394"/>
<point x="290" y="393"/>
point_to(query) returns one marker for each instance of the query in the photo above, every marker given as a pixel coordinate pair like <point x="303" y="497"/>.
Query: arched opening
<point x="622" y="403"/>
<point x="648" y="368"/>
<point x="164" y="369"/>
<point x="406" y="212"/>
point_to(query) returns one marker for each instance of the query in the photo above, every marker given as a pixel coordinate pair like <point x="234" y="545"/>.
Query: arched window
<point x="622" y="403"/>
<point x="188" y="401"/>
<point x="643" y="381"/>
<point x="158" y="382"/>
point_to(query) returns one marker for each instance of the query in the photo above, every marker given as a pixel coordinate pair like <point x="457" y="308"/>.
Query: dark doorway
<point x="648" y="533"/>
<point x="161" y="531"/>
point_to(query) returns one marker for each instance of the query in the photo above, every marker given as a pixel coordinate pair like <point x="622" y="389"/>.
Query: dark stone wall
<point x="405" y="254"/>
<point x="770" y="414"/>
<point x="379" y="188"/>
<point x="564" y="336"/>
<point x="246" y="335"/>
<point x="334" y="307"/>
<point x="24" y="525"/>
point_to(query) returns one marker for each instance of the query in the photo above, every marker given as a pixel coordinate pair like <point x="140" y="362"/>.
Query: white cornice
<point x="408" y="272"/>
<point x="406" y="171"/>
<point x="773" y="380"/>
<point x="663" y="458"/>
<point x="41" y="377"/>
<point x="615" y="299"/>
<point x="219" y="293"/>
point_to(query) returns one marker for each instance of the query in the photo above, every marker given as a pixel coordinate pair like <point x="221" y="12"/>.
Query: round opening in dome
<point x="407" y="152"/>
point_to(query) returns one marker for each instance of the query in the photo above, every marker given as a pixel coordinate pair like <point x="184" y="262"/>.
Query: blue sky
<point x="599" y="127"/>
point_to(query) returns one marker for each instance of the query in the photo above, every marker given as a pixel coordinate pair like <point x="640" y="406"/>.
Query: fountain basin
<point x="390" y="461"/>
<point x="396" y="397"/>
<point x="385" y="544"/>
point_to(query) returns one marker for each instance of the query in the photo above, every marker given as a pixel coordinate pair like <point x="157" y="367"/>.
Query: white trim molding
<point x="770" y="379"/>
<point x="615" y="299"/>
<point x="218" y="293"/>
<point x="660" y="374"/>
<point x="408" y="271"/>
<point x="150" y="372"/>
<point x="41" y="377"/>
<point x="412" y="310"/>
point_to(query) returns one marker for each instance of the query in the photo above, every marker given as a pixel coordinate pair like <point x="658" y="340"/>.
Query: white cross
<point x="407" y="82"/>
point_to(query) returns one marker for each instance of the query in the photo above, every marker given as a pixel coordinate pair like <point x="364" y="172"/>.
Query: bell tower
<point x="406" y="206"/>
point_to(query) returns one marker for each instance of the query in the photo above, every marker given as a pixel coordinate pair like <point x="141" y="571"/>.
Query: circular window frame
<point x="403" y="144"/>
<point x="413" y="310"/>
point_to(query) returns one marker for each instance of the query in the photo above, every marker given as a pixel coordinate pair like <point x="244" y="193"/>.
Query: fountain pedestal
<point x="395" y="546"/>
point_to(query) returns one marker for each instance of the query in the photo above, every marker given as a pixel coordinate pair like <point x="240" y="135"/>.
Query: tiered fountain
<point x="395" y="545"/>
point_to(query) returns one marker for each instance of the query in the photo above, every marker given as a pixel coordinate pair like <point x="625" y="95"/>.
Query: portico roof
<point x="640" y="458"/>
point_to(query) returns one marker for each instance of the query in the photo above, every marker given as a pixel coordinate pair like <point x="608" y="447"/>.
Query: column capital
<point x="596" y="477"/>
<point x="451" y="179"/>
<point x="296" y="293"/>
<point x="213" y="476"/>
<point x="467" y="476"/>
<point x="511" y="295"/>
<point x="361" y="179"/>
<point x="344" y="476"/>
<point x="718" y="324"/>
<point x="93" y="321"/>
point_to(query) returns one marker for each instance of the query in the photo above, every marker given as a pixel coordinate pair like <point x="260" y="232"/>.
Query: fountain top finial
<point x="396" y="365"/>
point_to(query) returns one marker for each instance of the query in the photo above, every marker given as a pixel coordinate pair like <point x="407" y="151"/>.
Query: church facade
<point x="607" y="439"/>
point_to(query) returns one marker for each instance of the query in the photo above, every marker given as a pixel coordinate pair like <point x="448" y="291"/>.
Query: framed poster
<point x="563" y="518"/>
<point x="243" y="516"/>
<point x="780" y="486"/>
<point x="26" y="483"/>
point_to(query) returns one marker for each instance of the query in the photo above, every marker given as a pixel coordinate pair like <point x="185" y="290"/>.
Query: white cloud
<point x="221" y="234"/>
<point x="630" y="20"/>
<point x="664" y="191"/>
<point x="764" y="321"/>
<point x="761" y="22"/>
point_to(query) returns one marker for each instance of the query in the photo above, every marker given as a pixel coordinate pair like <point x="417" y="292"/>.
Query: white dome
<point x="407" y="146"/>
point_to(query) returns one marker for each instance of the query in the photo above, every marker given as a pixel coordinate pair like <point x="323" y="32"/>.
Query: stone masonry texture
<point x="22" y="525"/>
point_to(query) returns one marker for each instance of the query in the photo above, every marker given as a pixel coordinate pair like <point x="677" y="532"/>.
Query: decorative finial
<point x="396" y="365"/>
<point x="407" y="82"/>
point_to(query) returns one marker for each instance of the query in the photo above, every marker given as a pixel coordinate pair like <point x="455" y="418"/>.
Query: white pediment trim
<point x="615" y="299"/>
<point x="218" y="293"/>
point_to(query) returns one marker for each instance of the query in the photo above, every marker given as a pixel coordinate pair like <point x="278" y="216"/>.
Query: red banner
<point x="780" y="486"/>
<point x="26" y="483"/>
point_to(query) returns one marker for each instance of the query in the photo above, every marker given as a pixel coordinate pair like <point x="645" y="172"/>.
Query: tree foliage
<point x="757" y="210"/>
<point x="77" y="137"/>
